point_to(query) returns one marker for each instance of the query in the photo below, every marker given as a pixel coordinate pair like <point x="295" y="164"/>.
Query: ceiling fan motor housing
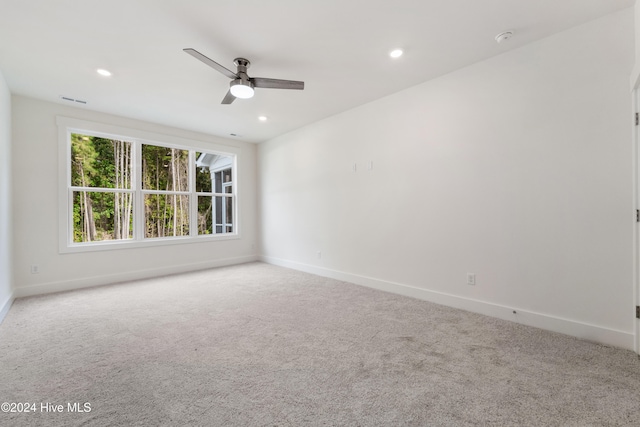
<point x="242" y="64"/>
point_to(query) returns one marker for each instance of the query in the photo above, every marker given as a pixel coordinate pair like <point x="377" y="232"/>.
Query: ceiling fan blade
<point x="228" y="98"/>
<point x="211" y="63"/>
<point x="277" y="83"/>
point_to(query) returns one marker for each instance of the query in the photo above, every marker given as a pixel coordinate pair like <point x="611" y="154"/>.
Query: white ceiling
<point x="338" y="47"/>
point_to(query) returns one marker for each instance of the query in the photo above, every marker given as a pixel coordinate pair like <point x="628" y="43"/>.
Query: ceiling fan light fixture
<point x="241" y="89"/>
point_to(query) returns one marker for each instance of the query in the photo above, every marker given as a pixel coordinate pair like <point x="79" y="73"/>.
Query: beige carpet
<point x="258" y="345"/>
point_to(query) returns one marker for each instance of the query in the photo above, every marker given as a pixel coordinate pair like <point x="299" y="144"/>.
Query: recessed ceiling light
<point x="397" y="53"/>
<point x="262" y="118"/>
<point x="103" y="72"/>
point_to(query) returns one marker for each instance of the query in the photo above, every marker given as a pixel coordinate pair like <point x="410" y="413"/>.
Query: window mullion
<point x="168" y="192"/>
<point x="138" y="211"/>
<point x="101" y="189"/>
<point x="70" y="229"/>
<point x="193" y="199"/>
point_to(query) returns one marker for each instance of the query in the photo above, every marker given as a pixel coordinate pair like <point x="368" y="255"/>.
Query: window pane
<point x="100" y="162"/>
<point x="165" y="168"/>
<point x="229" y="211"/>
<point x="204" y="179"/>
<point x="219" y="216"/>
<point x="218" y="182"/>
<point x="99" y="216"/>
<point x="215" y="213"/>
<point x="166" y="215"/>
<point x="212" y="170"/>
<point x="205" y="215"/>
<point x="227" y="175"/>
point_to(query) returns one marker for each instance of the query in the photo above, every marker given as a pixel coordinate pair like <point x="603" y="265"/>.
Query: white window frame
<point x="67" y="126"/>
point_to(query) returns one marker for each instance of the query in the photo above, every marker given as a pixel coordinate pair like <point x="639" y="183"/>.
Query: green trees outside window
<point x="100" y="167"/>
<point x="165" y="171"/>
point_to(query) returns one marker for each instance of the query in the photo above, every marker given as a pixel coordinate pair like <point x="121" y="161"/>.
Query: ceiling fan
<point x="241" y="84"/>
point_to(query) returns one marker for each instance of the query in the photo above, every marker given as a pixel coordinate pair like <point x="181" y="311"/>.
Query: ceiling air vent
<point x="68" y="99"/>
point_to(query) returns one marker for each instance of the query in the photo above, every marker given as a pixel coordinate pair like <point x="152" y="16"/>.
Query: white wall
<point x="635" y="83"/>
<point x="635" y="75"/>
<point x="517" y="169"/>
<point x="35" y="210"/>
<point x="5" y="198"/>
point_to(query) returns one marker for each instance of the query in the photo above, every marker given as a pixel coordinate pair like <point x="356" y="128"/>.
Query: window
<point x="124" y="191"/>
<point x="214" y="184"/>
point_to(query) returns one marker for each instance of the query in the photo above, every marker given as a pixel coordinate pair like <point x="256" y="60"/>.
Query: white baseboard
<point x="5" y="306"/>
<point x="551" y="323"/>
<point x="87" y="282"/>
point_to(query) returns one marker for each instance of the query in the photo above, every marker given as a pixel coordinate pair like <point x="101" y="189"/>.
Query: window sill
<point x="147" y="243"/>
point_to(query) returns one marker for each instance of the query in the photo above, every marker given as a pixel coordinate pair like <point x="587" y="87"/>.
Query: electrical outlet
<point x="35" y="269"/>
<point x="471" y="279"/>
